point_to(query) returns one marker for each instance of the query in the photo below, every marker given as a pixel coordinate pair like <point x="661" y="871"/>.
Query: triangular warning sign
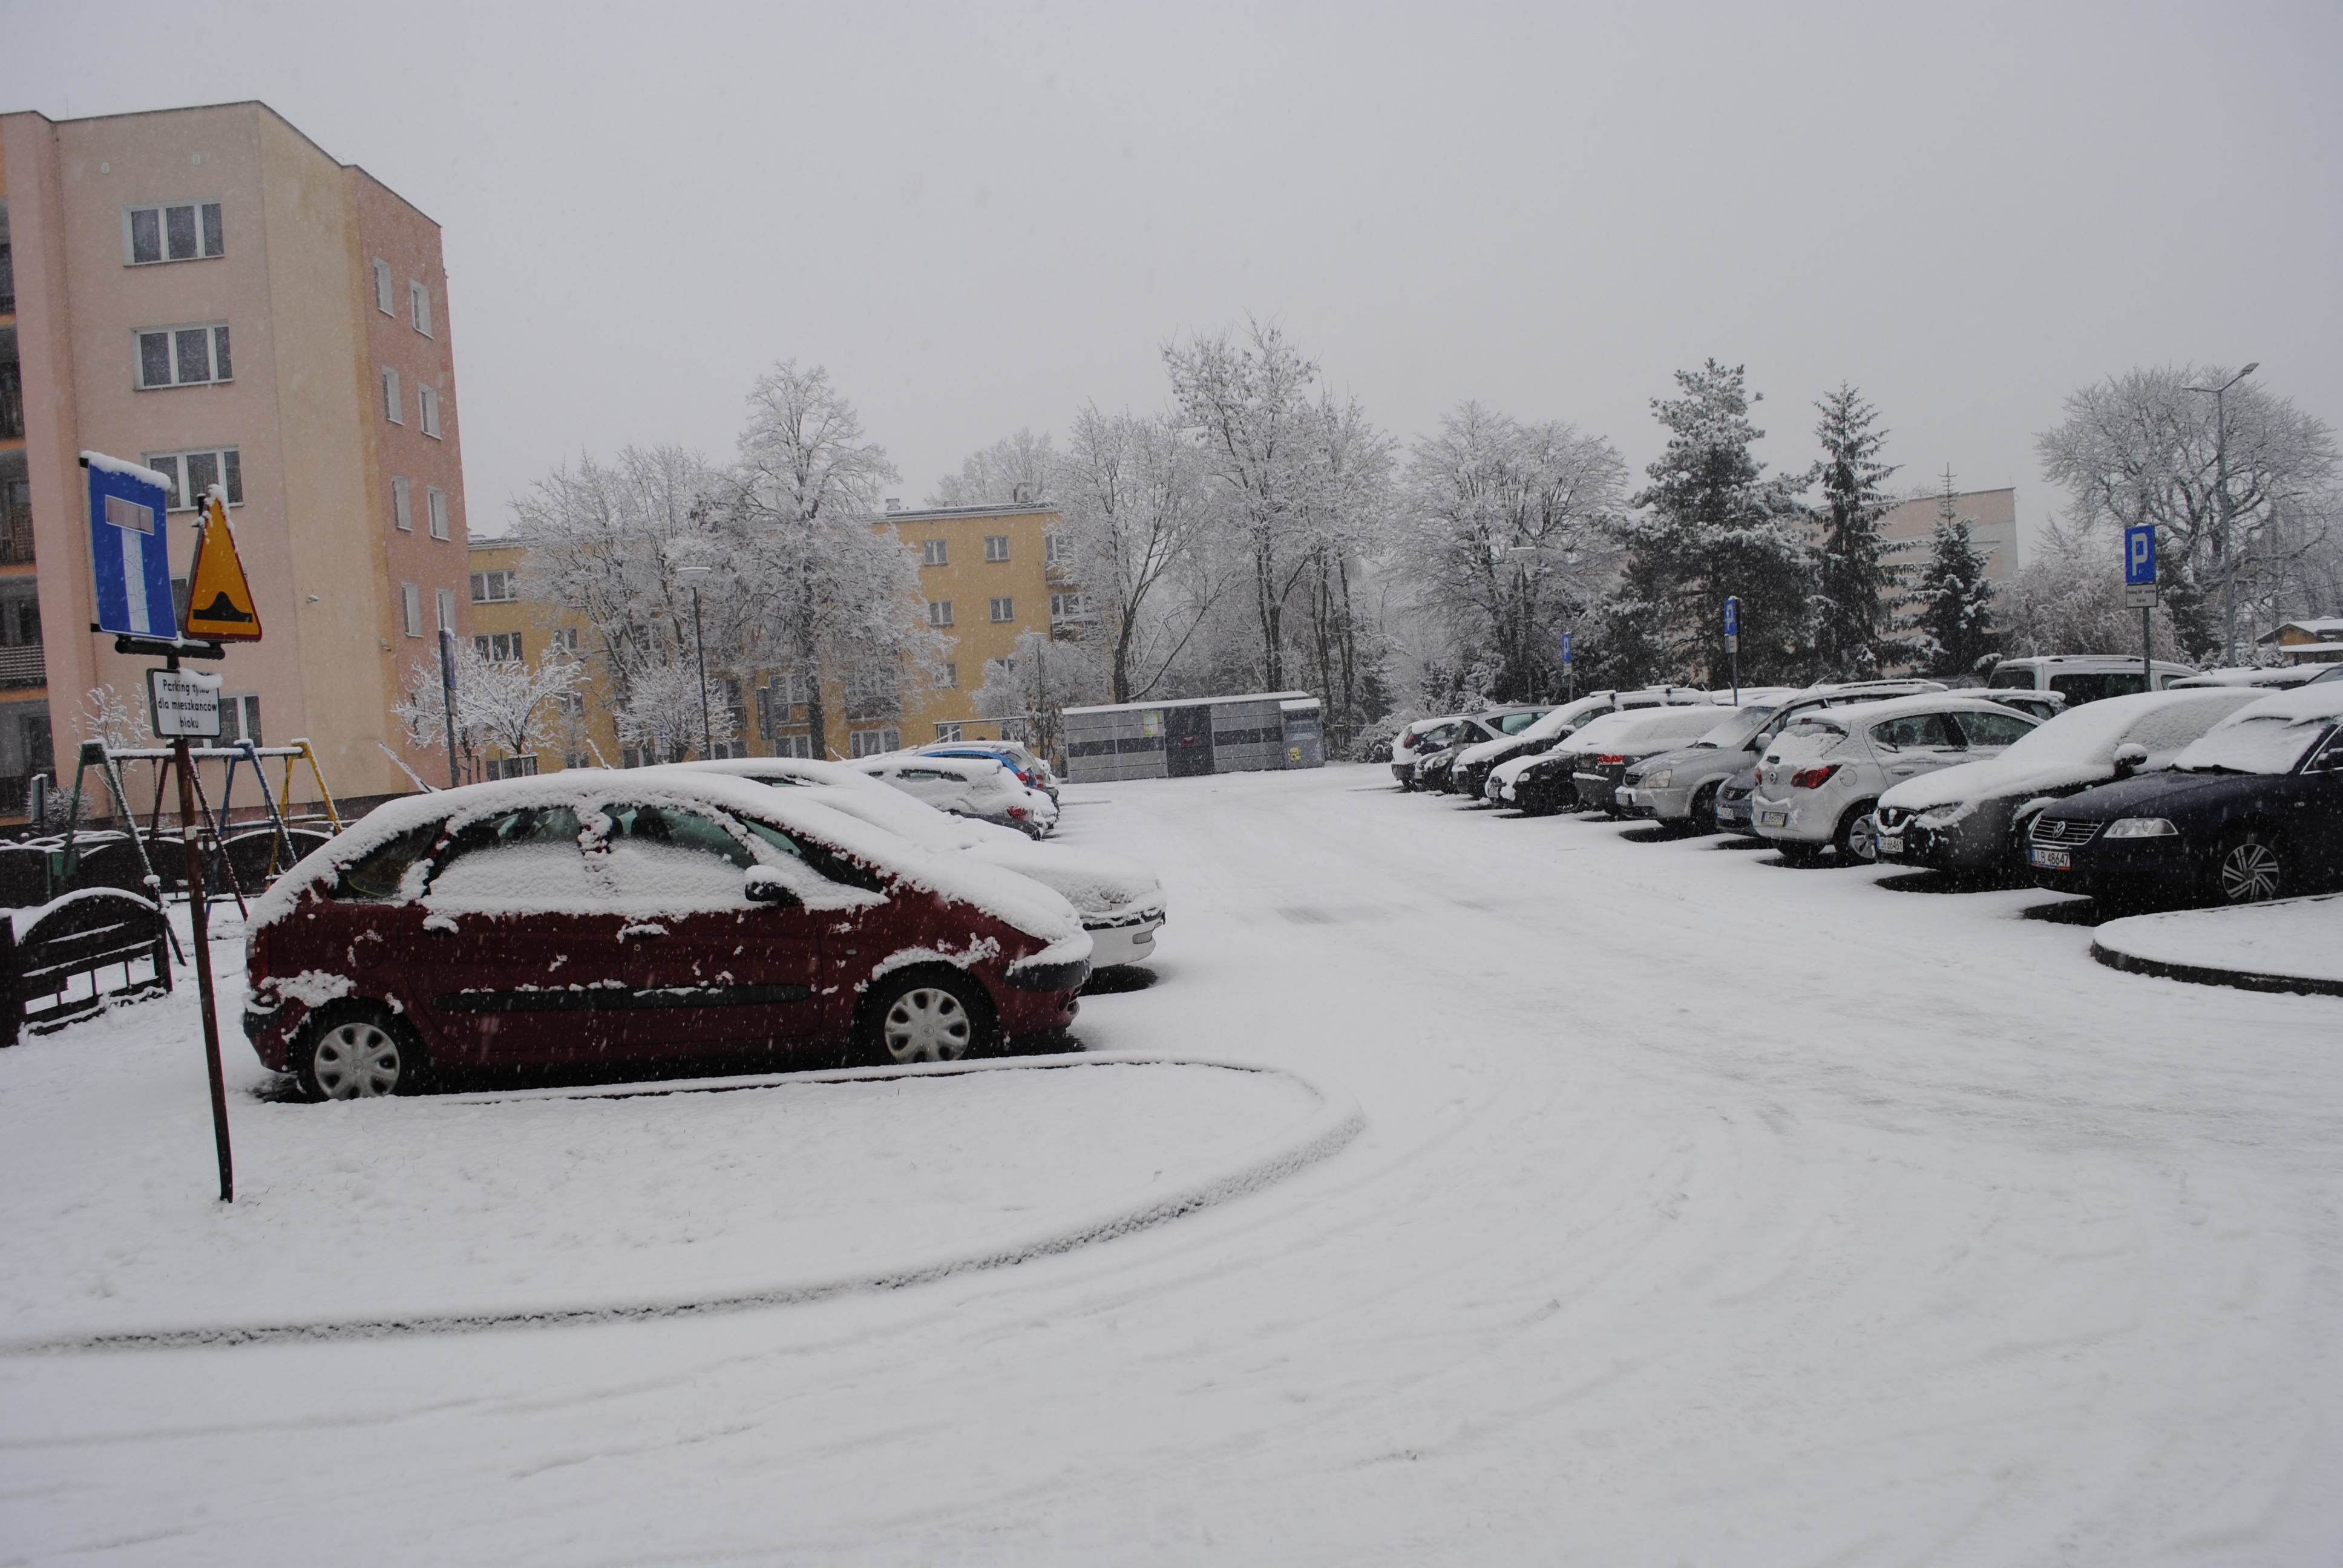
<point x="219" y="601"/>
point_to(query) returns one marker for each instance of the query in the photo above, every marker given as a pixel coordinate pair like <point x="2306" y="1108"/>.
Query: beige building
<point x="1992" y="517"/>
<point x="988" y="575"/>
<point x="209" y="292"/>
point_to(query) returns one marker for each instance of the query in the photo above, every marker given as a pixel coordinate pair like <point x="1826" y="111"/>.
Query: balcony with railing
<point x="21" y="667"/>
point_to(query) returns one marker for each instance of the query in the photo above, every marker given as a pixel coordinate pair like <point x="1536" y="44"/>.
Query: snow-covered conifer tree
<point x="1856" y="588"/>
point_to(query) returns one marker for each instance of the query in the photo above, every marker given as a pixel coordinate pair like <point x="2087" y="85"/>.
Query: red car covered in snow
<point x="631" y="917"/>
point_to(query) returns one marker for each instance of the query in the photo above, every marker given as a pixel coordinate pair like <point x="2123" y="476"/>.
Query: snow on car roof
<point x="972" y="769"/>
<point x="2269" y="735"/>
<point x="1855" y="714"/>
<point x="1633" y="725"/>
<point x="2077" y="745"/>
<point x="1017" y="901"/>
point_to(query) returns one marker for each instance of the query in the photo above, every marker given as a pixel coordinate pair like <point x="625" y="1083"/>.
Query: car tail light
<point x="1017" y="810"/>
<point x="1813" y="778"/>
<point x="1610" y="759"/>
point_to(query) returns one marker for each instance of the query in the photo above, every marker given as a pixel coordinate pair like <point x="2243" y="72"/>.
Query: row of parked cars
<point x="2082" y="773"/>
<point x="775" y="909"/>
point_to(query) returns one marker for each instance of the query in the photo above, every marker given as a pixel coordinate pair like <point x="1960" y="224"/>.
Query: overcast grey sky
<point x="979" y="217"/>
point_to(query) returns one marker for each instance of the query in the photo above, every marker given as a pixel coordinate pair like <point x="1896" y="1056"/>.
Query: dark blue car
<point x="2252" y="810"/>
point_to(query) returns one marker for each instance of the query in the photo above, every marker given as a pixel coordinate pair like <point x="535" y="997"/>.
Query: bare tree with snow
<point x="1019" y="467"/>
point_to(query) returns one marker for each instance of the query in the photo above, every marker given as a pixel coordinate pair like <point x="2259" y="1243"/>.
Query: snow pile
<point x="2291" y="938"/>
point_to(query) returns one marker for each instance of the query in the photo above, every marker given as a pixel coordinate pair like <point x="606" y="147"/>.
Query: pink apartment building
<point x="207" y="290"/>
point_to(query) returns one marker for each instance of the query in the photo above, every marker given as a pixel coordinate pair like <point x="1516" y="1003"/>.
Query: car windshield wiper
<point x="2211" y="767"/>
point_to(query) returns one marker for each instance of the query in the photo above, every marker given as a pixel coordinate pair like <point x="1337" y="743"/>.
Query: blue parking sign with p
<point x="1733" y="618"/>
<point x="2139" y="556"/>
<point x="129" y="548"/>
<point x="1565" y="647"/>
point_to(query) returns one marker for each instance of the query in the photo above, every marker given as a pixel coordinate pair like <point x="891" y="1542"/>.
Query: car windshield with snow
<point x="639" y="917"/>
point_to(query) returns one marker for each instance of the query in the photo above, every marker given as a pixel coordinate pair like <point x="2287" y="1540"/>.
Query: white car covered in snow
<point x="987" y="789"/>
<point x="1122" y="906"/>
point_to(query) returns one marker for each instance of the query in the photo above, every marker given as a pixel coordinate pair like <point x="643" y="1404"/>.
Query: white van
<point x="2083" y="677"/>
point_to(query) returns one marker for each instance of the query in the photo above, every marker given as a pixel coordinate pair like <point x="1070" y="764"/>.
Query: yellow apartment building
<point x="207" y="291"/>
<point x="988" y="575"/>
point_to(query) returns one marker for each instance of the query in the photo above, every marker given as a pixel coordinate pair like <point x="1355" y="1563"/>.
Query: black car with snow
<point x="2252" y="810"/>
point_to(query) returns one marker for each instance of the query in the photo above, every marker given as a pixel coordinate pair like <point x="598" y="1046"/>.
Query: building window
<point x="1057" y="551"/>
<point x="940" y="612"/>
<point x="445" y="600"/>
<point x="411" y="609"/>
<point x="565" y="640"/>
<point x="1004" y="609"/>
<point x="402" y="505"/>
<point x="382" y="287"/>
<point x="240" y="719"/>
<point x="496" y="587"/>
<point x="391" y="408"/>
<point x="426" y="403"/>
<point x="183" y="356"/>
<point x="952" y="676"/>
<point x="419" y="306"/>
<point x="435" y="500"/>
<point x="189" y="231"/>
<point x="192" y="474"/>
<point x="996" y="547"/>
<point x="948" y="731"/>
<point x="793" y="745"/>
<point x="1070" y="607"/>
<point x="499" y="648"/>
<point x="935" y="553"/>
<point x="874" y="742"/>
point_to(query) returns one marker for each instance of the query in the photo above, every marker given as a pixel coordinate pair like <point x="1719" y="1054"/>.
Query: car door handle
<point x="1905" y="768"/>
<point x="646" y="929"/>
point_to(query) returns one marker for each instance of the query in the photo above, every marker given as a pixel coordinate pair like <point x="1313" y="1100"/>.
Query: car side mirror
<point x="2129" y="756"/>
<point x="763" y="885"/>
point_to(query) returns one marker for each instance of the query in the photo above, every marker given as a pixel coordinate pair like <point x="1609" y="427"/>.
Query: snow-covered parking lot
<point x="1700" y="1210"/>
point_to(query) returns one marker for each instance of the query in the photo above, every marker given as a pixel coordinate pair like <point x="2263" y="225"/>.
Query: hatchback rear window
<point x="1514" y="723"/>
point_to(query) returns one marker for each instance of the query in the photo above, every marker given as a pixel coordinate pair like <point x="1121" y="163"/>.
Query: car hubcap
<point x="928" y="1024"/>
<point x="1862" y="844"/>
<point x="355" y="1061"/>
<point x="2249" y="874"/>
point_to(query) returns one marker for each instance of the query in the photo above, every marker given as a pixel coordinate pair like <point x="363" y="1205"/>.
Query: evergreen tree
<point x="1953" y="603"/>
<point x="1856" y="583"/>
<point x="1712" y="526"/>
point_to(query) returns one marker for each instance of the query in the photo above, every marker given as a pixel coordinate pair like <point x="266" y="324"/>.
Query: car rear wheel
<point x="923" y="1016"/>
<point x="2248" y="869"/>
<point x="356" y="1053"/>
<point x="1857" y="839"/>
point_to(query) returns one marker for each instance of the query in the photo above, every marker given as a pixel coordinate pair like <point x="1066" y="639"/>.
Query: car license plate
<point x="1773" y="820"/>
<point x="1627" y="798"/>
<point x="1891" y="843"/>
<point x="2051" y="860"/>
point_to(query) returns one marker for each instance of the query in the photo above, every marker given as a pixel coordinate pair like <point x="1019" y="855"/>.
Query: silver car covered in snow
<point x="1822" y="777"/>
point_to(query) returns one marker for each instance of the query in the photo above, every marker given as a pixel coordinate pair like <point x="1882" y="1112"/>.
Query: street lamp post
<point x="695" y="576"/>
<point x="2229" y="510"/>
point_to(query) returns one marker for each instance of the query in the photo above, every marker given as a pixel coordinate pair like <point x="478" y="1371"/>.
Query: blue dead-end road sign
<point x="129" y="547"/>
<point x="2139" y="556"/>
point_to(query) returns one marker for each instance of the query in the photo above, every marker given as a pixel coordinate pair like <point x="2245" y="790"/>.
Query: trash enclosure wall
<point x="1192" y="736"/>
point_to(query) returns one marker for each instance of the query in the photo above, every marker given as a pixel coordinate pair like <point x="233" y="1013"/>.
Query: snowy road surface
<point x="1706" y="1211"/>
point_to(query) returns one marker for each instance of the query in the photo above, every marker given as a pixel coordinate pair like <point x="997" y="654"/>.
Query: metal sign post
<point x="2142" y="592"/>
<point x="130" y="560"/>
<point x="448" y="697"/>
<point x="1732" y="644"/>
<point x="1569" y="671"/>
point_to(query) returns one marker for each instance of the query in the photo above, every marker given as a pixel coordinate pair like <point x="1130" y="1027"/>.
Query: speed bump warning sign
<point x="219" y="600"/>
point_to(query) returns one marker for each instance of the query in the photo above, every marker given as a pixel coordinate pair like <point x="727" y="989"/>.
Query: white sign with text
<point x="184" y="702"/>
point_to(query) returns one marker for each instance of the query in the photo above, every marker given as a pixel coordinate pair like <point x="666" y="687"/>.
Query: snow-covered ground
<point x="1705" y="1211"/>
<point x="2292" y="939"/>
